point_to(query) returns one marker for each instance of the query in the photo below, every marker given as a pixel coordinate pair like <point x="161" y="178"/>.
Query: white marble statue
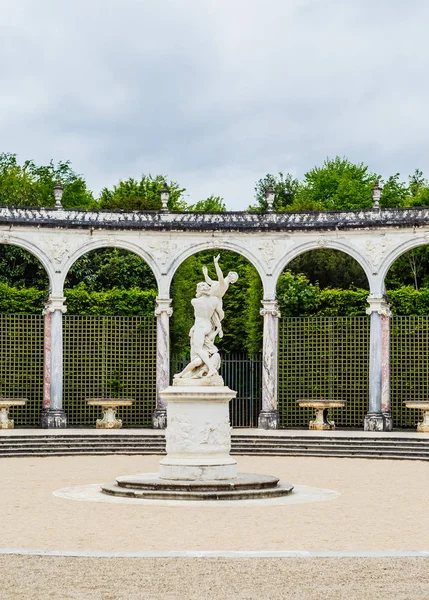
<point x="208" y="312"/>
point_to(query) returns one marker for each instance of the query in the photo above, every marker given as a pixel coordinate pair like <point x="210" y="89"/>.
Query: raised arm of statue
<point x="206" y="277"/>
<point x="220" y="277"/>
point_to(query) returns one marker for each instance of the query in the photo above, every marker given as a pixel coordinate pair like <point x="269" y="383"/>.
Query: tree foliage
<point x="32" y="185"/>
<point x="242" y="323"/>
<point x="212" y="204"/>
<point x="143" y="194"/>
<point x="108" y="268"/>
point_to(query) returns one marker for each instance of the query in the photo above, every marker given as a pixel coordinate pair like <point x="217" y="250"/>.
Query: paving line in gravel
<point x="224" y="554"/>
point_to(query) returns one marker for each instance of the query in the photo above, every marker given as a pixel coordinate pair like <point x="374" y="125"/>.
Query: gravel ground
<point x="47" y="578"/>
<point x="383" y="506"/>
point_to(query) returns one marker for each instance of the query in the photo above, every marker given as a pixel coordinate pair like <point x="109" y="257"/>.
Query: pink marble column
<point x="47" y="361"/>
<point x="385" y="368"/>
<point x="163" y="312"/>
<point x="269" y="417"/>
<point x="378" y="417"/>
<point x="53" y="414"/>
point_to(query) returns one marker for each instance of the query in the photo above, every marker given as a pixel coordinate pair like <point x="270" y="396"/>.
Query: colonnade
<point x="378" y="417"/>
<point x="374" y="237"/>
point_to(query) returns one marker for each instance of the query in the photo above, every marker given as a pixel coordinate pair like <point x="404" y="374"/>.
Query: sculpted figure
<point x="208" y="312"/>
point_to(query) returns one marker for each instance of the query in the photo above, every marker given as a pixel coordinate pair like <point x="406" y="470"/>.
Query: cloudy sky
<point x="215" y="93"/>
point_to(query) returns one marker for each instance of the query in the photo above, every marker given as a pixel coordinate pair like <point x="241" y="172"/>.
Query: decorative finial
<point x="165" y="196"/>
<point x="270" y="197"/>
<point x="58" y="194"/>
<point x="376" y="195"/>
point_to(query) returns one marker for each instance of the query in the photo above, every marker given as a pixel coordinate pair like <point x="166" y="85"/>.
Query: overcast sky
<point x="215" y="93"/>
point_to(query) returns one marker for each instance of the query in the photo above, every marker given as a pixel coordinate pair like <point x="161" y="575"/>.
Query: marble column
<point x="53" y="414"/>
<point x="269" y="416"/>
<point x="163" y="312"/>
<point x="379" y="417"/>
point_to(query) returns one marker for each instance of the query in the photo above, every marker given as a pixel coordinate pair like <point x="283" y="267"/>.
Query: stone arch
<point x="36" y="252"/>
<point x="331" y="245"/>
<point x="220" y="245"/>
<point x="399" y="251"/>
<point x="123" y="244"/>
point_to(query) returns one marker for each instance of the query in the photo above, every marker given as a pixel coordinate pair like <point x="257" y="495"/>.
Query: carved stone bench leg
<point x="321" y="421"/>
<point x="5" y="422"/>
<point x="109" y="420"/>
<point x="423" y="426"/>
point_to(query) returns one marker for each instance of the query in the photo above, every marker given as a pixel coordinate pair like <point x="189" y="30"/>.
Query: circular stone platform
<point x="245" y="486"/>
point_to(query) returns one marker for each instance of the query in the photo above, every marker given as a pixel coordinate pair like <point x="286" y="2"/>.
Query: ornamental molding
<point x="271" y="251"/>
<point x="163" y="250"/>
<point x="379" y="305"/>
<point x="270" y="307"/>
<point x="55" y="303"/>
<point x="59" y="248"/>
<point x="163" y="306"/>
<point x="377" y="248"/>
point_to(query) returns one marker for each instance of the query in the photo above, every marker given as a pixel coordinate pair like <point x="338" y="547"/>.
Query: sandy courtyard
<point x="383" y="506"/>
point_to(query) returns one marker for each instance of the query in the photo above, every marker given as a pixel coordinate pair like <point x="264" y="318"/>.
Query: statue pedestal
<point x="198" y="434"/>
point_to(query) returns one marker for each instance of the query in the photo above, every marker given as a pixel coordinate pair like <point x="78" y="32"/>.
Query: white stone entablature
<point x="270" y="241"/>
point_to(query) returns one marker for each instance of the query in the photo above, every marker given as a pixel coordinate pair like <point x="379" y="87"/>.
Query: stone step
<point x="243" y="481"/>
<point x="275" y="492"/>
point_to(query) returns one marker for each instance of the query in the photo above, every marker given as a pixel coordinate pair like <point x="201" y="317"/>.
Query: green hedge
<point x="134" y="302"/>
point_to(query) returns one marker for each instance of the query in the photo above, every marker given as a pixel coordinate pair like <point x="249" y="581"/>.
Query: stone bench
<point x="322" y="406"/>
<point x="5" y="404"/>
<point x="109" y="407"/>
<point x="423" y="405"/>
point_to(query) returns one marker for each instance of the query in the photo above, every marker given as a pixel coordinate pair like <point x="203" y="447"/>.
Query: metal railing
<point x="242" y="373"/>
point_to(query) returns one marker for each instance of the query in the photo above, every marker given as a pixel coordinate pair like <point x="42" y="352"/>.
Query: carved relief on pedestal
<point x="183" y="437"/>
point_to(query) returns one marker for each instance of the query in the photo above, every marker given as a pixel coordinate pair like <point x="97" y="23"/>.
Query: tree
<point x="109" y="268"/>
<point x="296" y="295"/>
<point x="418" y="189"/>
<point x="212" y="204"/>
<point x="32" y="185"/>
<point x="329" y="268"/>
<point x="395" y="193"/>
<point x="20" y="269"/>
<point x="145" y="194"/>
<point x="286" y="188"/>
<point x="338" y="185"/>
<point x="242" y="324"/>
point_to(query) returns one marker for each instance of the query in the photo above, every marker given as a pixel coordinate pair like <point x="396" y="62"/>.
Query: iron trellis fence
<point x="115" y="356"/>
<point x="323" y="357"/>
<point x="409" y="367"/>
<point x="21" y="365"/>
<point x="106" y="357"/>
